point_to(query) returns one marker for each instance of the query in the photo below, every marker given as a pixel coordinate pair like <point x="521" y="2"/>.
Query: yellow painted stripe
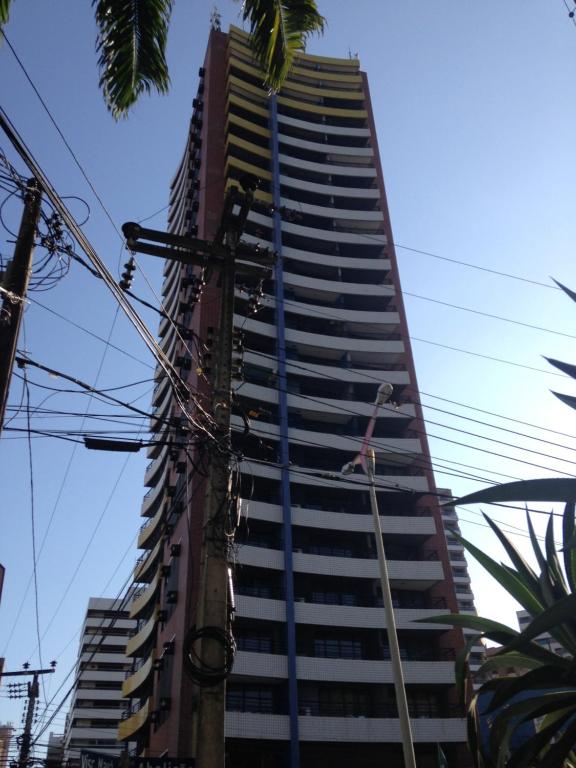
<point x="139" y="677"/>
<point x="233" y="98"/>
<point x="241" y="165"/>
<point x="233" y="80"/>
<point x="329" y="92"/>
<point x="127" y="728"/>
<point x="248" y="146"/>
<point x="244" y="66"/>
<point x="259" y="194"/>
<point x="316" y="74"/>
<point x="303" y="106"/>
<point x="252" y="127"/>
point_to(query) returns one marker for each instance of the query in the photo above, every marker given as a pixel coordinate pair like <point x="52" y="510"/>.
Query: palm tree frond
<point x="131" y="44"/>
<point x="4" y="11"/>
<point x="279" y="29"/>
<point x="567" y="368"/>
<point x="566" y="290"/>
<point x="569" y="542"/>
<point x="544" y="489"/>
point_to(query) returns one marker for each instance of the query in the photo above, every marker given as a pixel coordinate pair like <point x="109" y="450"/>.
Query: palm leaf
<point x="519" y="589"/>
<point x="561" y="749"/>
<point x="512" y="659"/>
<point x="545" y="489"/>
<point x="567" y="291"/>
<point x="569" y="549"/>
<point x="542" y="678"/>
<point x="524" y="755"/>
<point x="527" y="574"/>
<point x="460" y="666"/>
<point x="567" y="400"/>
<point x="563" y="610"/>
<point x="131" y="44"/>
<point x="279" y="29"/>
<point x="4" y="11"/>
<point x="567" y="368"/>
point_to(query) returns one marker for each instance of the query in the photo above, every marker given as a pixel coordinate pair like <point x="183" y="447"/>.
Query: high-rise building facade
<point x="312" y="679"/>
<point x="97" y="704"/>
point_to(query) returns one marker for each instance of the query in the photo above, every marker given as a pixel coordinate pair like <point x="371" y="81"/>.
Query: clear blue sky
<point x="475" y="110"/>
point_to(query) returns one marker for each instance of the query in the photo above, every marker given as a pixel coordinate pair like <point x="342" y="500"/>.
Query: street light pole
<point x="367" y="460"/>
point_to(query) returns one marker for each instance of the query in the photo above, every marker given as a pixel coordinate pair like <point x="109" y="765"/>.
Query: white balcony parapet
<point x="418" y="573"/>
<point x="331" y="213"/>
<point x="315" y="371"/>
<point x="342" y="670"/>
<point x="368" y="193"/>
<point x="329" y="169"/>
<point x="340" y="521"/>
<point x="253" y="725"/>
<point x="370" y="320"/>
<point x="318" y="146"/>
<point x="402" y="449"/>
<point x="324" y="128"/>
<point x="337" y="615"/>
<point x="307" y="476"/>
<point x="342" y="262"/>
<point x="311" y="285"/>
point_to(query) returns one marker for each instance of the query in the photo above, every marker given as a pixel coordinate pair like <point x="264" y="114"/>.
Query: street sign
<point x="98" y="760"/>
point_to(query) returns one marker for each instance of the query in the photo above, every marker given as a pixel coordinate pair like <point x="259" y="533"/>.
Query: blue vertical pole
<point x="284" y="445"/>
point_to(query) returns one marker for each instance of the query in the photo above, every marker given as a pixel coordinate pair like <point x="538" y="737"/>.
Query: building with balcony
<point x="97" y="704"/>
<point x="312" y="678"/>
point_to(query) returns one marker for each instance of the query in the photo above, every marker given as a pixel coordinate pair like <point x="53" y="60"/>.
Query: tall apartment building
<point x="96" y="705"/>
<point x="6" y="732"/>
<point x="312" y="678"/>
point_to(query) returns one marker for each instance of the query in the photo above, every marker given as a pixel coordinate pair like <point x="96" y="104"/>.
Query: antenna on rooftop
<point x="216" y="19"/>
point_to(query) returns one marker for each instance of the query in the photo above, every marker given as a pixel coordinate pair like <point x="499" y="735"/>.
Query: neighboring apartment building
<point x="96" y="705"/>
<point x="55" y="751"/>
<point x="312" y="680"/>
<point x="459" y="570"/>
<point x="6" y="732"/>
<point x="546" y="640"/>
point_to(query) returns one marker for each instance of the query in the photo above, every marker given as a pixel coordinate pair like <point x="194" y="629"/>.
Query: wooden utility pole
<point x="15" y="288"/>
<point x="212" y="636"/>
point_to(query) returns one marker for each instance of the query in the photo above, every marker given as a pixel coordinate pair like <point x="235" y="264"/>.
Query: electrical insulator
<point x="128" y="274"/>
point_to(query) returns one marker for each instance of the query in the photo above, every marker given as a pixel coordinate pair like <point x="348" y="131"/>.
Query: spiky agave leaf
<point x="279" y="29"/>
<point x="569" y="544"/>
<point x="566" y="290"/>
<point x="563" y="610"/>
<point x="567" y="368"/>
<point x="544" y="489"/>
<point x="523" y="755"/>
<point x="566" y="399"/>
<point x="131" y="43"/>
<point x="4" y="11"/>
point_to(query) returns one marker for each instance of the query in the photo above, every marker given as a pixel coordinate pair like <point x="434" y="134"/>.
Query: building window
<point x="337" y="648"/>
<point x="248" y="698"/>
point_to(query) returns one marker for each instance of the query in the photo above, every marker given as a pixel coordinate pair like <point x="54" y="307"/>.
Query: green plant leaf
<point x="279" y="29"/>
<point x="547" y="621"/>
<point x="460" y="666"/>
<point x="560" y="749"/>
<point x="506" y="577"/>
<point x="131" y="44"/>
<point x="544" y="678"/>
<point x="567" y="291"/>
<point x="567" y="400"/>
<point x="512" y="659"/>
<point x="4" y="11"/>
<point x="567" y="368"/>
<point x="524" y="755"/>
<point x="545" y="489"/>
<point x="525" y="572"/>
<point x="569" y="548"/>
<point x="500" y="633"/>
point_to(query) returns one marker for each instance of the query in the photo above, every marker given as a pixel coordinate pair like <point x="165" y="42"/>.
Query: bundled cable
<point x="203" y="674"/>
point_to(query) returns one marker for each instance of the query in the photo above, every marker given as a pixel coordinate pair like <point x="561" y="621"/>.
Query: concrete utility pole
<point x="15" y="288"/>
<point x="33" y="692"/>
<point x="212" y="619"/>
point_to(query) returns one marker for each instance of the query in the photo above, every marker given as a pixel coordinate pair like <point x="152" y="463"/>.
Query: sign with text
<point x="98" y="760"/>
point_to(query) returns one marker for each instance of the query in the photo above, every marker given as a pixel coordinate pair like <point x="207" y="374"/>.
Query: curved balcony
<point x="323" y="128"/>
<point x="160" y="390"/>
<point x="320" y="146"/>
<point x="128" y="728"/>
<point x="135" y="645"/>
<point x="310" y="286"/>
<point x="337" y="615"/>
<point x="146" y="565"/>
<point x="150" y="531"/>
<point x="143" y="600"/>
<point x="155" y="468"/>
<point x="139" y="679"/>
<point x="395" y="449"/>
<point x="162" y="408"/>
<point x="340" y="262"/>
<point x="337" y="409"/>
<point x="331" y="212"/>
<point x="326" y="235"/>
<point x="364" y="171"/>
<point x="153" y="499"/>
<point x="406" y="574"/>
<point x="360" y="350"/>
<point x="302" y="107"/>
<point x="267" y="665"/>
<point x="385" y="322"/>
<point x="316" y="371"/>
<point x="256" y="725"/>
<point x="316" y="477"/>
<point x="341" y="521"/>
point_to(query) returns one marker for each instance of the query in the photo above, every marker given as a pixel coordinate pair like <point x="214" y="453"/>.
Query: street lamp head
<point x="385" y="391"/>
